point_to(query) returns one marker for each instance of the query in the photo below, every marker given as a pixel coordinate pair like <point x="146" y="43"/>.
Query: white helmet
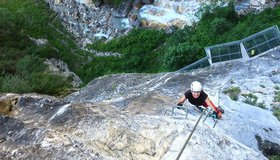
<point x="196" y="86"/>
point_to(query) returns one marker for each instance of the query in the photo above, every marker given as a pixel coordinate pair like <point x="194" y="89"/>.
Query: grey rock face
<point x="43" y="127"/>
<point x="88" y="22"/>
<point x="120" y="116"/>
<point x="256" y="6"/>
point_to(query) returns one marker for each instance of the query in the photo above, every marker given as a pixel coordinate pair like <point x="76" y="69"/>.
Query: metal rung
<point x="177" y="107"/>
<point x="207" y="115"/>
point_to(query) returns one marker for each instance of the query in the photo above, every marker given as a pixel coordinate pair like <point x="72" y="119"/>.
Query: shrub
<point x="29" y="64"/>
<point x="220" y="25"/>
<point x="276" y="112"/>
<point x="100" y="66"/>
<point x="233" y="92"/>
<point x="6" y="18"/>
<point x="250" y="99"/>
<point x="261" y="105"/>
<point x="47" y="83"/>
<point x="137" y="49"/>
<point x="15" y="84"/>
<point x="35" y="82"/>
<point x="137" y="41"/>
<point x="180" y="55"/>
<point x="277" y="96"/>
<point x="180" y="36"/>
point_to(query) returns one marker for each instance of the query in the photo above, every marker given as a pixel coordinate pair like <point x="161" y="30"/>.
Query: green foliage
<point x="233" y="92"/>
<point x="6" y="17"/>
<point x="250" y="99"/>
<point x="263" y="86"/>
<point x="261" y="105"/>
<point x="13" y="43"/>
<point x="29" y="64"/>
<point x="98" y="67"/>
<point x="137" y="41"/>
<point x="113" y="2"/>
<point x="145" y="50"/>
<point x="15" y="84"/>
<point x="47" y="83"/>
<point x="31" y="77"/>
<point x="137" y="50"/>
<point x="277" y="96"/>
<point x="35" y="82"/>
<point x="274" y="157"/>
<point x="277" y="87"/>
<point x="180" y="55"/>
<point x="180" y="36"/>
<point x="22" y="71"/>
<point x="276" y="112"/>
<point x="216" y="22"/>
<point x="142" y="50"/>
<point x="31" y="18"/>
<point x="220" y="25"/>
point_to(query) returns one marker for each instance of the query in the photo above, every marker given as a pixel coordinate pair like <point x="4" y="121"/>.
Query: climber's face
<point x="195" y="94"/>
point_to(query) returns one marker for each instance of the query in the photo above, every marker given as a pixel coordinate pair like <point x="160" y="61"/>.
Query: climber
<point x="198" y="97"/>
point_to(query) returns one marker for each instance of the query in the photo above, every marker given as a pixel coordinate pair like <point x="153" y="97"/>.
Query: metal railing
<point x="249" y="47"/>
<point x="195" y="65"/>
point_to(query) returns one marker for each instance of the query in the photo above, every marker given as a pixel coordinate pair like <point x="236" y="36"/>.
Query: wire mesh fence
<point x="262" y="41"/>
<point x="195" y="65"/>
<point x="246" y="48"/>
<point x="224" y="52"/>
<point x="249" y="47"/>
